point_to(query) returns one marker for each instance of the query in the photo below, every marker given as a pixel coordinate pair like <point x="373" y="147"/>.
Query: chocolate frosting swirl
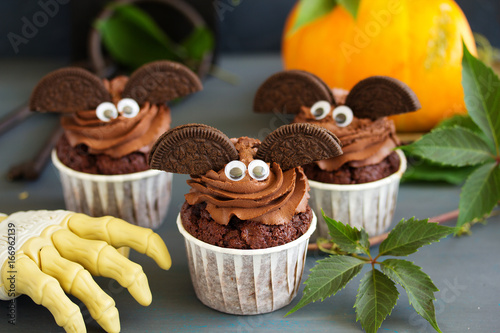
<point x="272" y="201"/>
<point x="364" y="141"/>
<point x="120" y="136"/>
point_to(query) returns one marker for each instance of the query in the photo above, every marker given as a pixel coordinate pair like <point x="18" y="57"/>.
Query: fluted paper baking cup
<point x="246" y="282"/>
<point x="370" y="205"/>
<point x="140" y="198"/>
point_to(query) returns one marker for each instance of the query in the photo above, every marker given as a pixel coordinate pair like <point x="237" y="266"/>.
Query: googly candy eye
<point x="235" y="170"/>
<point x="342" y="115"/>
<point x="106" y="111"/>
<point x="128" y="107"/>
<point x="258" y="170"/>
<point x="320" y="109"/>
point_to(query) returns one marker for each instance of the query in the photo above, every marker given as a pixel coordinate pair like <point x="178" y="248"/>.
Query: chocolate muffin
<point x="246" y="220"/>
<point x="109" y="129"/>
<point x="359" y="118"/>
<point x="108" y="122"/>
<point x="238" y="229"/>
<point x="258" y="197"/>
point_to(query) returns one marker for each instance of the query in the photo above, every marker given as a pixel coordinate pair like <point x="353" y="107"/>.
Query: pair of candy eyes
<point x="342" y="114"/>
<point x="127" y="107"/>
<point x="257" y="169"/>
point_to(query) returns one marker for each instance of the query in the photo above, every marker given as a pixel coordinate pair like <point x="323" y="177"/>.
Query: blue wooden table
<point x="465" y="269"/>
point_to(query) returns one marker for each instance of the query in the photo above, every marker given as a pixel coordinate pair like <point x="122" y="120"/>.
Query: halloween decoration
<point x="246" y="220"/>
<point x="57" y="252"/>
<point x="109" y="128"/>
<point x="353" y="187"/>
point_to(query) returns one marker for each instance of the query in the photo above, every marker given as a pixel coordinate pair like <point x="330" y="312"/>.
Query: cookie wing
<point x="288" y="91"/>
<point x="161" y="81"/>
<point x="381" y="96"/>
<point x="192" y="149"/>
<point x="69" y="89"/>
<point x="299" y="144"/>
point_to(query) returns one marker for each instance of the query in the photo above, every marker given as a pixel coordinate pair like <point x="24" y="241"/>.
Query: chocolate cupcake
<point x="246" y="219"/>
<point x="109" y="129"/>
<point x="360" y="186"/>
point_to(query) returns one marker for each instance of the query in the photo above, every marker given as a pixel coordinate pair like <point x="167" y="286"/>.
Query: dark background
<point x="242" y="26"/>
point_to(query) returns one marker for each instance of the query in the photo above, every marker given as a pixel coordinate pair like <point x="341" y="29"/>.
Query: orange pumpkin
<point x="417" y="42"/>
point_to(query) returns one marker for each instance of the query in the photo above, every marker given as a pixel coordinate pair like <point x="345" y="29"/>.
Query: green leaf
<point x="132" y="38"/>
<point x="310" y="10"/>
<point x="482" y="96"/>
<point x="198" y="43"/>
<point x="347" y="238"/>
<point x="461" y="121"/>
<point x="409" y="235"/>
<point x="465" y="121"/>
<point x="418" y="286"/>
<point x="328" y="277"/>
<point x="455" y="146"/>
<point x="377" y="296"/>
<point x="351" y="6"/>
<point x="139" y="18"/>
<point x="480" y="193"/>
<point x="420" y="169"/>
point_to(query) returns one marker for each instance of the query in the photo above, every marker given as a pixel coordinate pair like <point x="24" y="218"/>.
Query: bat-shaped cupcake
<point x="358" y="117"/>
<point x="243" y="177"/>
<point x="119" y="116"/>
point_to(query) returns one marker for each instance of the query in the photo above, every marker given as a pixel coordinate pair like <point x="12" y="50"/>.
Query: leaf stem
<point x="374" y="261"/>
<point x="380" y="238"/>
<point x="368" y="259"/>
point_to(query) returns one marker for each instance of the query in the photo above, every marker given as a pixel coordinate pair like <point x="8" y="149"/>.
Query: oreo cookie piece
<point x="169" y="132"/>
<point x="67" y="90"/>
<point x="381" y="96"/>
<point x="161" y="81"/>
<point x="299" y="144"/>
<point x="288" y="91"/>
<point x="192" y="149"/>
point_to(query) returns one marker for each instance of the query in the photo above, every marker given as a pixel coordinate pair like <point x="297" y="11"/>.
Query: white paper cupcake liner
<point x="139" y="198"/>
<point x="369" y="206"/>
<point x="246" y="282"/>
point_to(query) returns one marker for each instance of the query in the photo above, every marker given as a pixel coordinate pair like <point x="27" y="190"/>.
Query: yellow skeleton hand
<point x="47" y="253"/>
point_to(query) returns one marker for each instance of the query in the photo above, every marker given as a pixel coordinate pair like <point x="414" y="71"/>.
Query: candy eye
<point x="342" y="115"/>
<point x="128" y="107"/>
<point x="258" y="170"/>
<point x="320" y="109"/>
<point x="106" y="111"/>
<point x="235" y="170"/>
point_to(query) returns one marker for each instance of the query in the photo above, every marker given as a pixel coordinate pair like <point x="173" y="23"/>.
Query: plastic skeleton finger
<point x="119" y="233"/>
<point x="46" y="291"/>
<point x="101" y="259"/>
<point x="75" y="280"/>
<point x="43" y="272"/>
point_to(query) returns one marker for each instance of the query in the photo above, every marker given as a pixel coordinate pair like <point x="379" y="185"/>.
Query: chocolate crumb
<point x="350" y="175"/>
<point x="240" y="234"/>
<point x="79" y="159"/>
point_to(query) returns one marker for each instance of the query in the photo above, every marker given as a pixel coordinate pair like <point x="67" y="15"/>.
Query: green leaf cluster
<point x="133" y="39"/>
<point x="471" y="143"/>
<point x="423" y="169"/>
<point x="310" y="10"/>
<point x="377" y="293"/>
